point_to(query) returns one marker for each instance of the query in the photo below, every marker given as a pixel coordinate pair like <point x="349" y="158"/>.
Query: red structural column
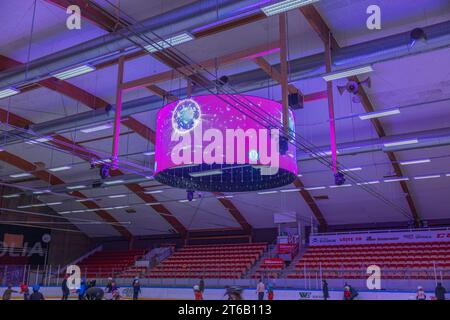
<point x="118" y="113"/>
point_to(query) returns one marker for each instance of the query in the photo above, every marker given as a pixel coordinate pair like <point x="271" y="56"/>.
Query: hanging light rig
<point x="204" y="144"/>
<point x="339" y="178"/>
<point x="117" y="118"/>
<point x="284" y="141"/>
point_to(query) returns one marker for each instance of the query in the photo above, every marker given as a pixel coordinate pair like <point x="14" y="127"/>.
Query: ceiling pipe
<point x="392" y="47"/>
<point x="112" y="45"/>
<point x="425" y="139"/>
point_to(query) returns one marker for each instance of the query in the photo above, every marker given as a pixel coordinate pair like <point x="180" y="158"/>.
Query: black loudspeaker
<point x="284" y="145"/>
<point x="104" y="171"/>
<point x="339" y="179"/>
<point x="295" y="101"/>
<point x="190" y="195"/>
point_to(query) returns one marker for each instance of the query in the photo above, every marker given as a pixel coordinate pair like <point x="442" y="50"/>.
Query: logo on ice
<point x="213" y="146"/>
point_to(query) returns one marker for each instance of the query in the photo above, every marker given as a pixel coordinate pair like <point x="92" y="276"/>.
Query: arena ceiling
<point x="418" y="83"/>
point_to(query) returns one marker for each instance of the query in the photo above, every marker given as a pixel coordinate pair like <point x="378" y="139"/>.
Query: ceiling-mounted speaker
<point x="296" y="100"/>
<point x="417" y="34"/>
<point x="339" y="179"/>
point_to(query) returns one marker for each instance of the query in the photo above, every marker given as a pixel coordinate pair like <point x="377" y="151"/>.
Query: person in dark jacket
<point x="440" y="292"/>
<point x="108" y="287"/>
<point x="353" y="293"/>
<point x="94" y="293"/>
<point x="64" y="288"/>
<point x="136" y="288"/>
<point x="8" y="292"/>
<point x="325" y="291"/>
<point x="36" y="295"/>
<point x="201" y="285"/>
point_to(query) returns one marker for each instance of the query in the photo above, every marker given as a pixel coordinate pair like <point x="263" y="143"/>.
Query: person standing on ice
<point x="64" y="288"/>
<point x="136" y="288"/>
<point x="325" y="290"/>
<point x="260" y="288"/>
<point x="421" y="294"/>
<point x="36" y="295"/>
<point x="440" y="292"/>
<point x="198" y="293"/>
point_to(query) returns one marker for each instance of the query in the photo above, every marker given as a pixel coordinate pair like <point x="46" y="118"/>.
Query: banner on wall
<point x="380" y="237"/>
<point x="287" y="248"/>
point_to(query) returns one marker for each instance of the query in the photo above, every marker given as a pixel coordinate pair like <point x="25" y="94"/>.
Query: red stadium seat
<point x="209" y="261"/>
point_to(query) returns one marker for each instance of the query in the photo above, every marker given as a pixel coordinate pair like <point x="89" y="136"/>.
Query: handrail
<point x="81" y="258"/>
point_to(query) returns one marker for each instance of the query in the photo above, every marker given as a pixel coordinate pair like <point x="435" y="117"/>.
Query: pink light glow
<point x="218" y="115"/>
<point x="263" y="53"/>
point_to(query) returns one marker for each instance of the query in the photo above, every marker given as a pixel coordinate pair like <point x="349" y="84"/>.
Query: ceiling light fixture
<point x="400" y="143"/>
<point x="284" y="6"/>
<point x="169" y="42"/>
<point x="20" y="175"/>
<point x="347" y="73"/>
<point x="340" y="186"/>
<point x="268" y="192"/>
<point x="405" y="163"/>
<point x="315" y="188"/>
<point x="38" y="205"/>
<point x="76" y="187"/>
<point x="185" y="200"/>
<point x="117" y="196"/>
<point x="74" y="72"/>
<point x="39" y="140"/>
<point x="97" y="128"/>
<point x="379" y="114"/>
<point x="8" y="92"/>
<point x="60" y="168"/>
<point x="121" y="207"/>
<point x="41" y="191"/>
<point x="149" y="153"/>
<point x="15" y="195"/>
<point x="396" y="179"/>
<point x="290" y="190"/>
<point x="369" y="182"/>
<point x="351" y="169"/>
<point x="153" y="191"/>
<point x="113" y="182"/>
<point x="427" y="177"/>
<point x="23" y="207"/>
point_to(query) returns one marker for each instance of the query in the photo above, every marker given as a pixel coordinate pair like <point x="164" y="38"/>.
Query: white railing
<point x="381" y="231"/>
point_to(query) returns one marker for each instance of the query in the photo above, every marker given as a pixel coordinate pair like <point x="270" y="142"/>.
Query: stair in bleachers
<point x="397" y="261"/>
<point x="210" y="261"/>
